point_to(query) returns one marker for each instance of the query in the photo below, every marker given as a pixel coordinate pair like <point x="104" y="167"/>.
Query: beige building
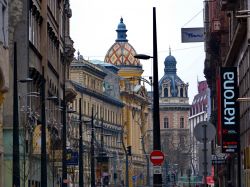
<point x="174" y="113"/>
<point x="98" y="87"/>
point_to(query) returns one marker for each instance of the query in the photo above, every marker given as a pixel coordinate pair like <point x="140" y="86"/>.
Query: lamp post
<point x="81" y="181"/>
<point x="43" y="135"/>
<point x="16" y="154"/>
<point x="157" y="178"/>
<point x="92" y="151"/>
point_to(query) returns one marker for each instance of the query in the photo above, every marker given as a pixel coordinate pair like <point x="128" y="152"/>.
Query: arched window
<point x="181" y="92"/>
<point x="165" y="92"/>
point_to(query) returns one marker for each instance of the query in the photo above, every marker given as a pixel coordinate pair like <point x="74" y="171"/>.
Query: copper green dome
<point x="121" y="53"/>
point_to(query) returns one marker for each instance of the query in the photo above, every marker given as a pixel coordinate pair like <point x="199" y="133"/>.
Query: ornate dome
<point x="170" y="84"/>
<point x="170" y="64"/>
<point x="121" y="53"/>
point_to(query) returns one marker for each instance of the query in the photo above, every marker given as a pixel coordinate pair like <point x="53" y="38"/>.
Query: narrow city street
<point x="128" y="93"/>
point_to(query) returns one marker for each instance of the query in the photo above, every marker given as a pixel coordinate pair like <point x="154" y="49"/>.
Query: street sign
<point x="156" y="157"/>
<point x="199" y="132"/>
<point x="157" y="170"/>
<point x="71" y="157"/>
<point x="134" y="178"/>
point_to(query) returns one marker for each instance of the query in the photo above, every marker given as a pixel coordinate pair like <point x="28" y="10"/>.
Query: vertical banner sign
<point x="229" y="110"/>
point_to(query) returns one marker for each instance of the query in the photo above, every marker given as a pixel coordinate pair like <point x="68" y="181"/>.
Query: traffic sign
<point x="157" y="170"/>
<point x="156" y="157"/>
<point x="199" y="131"/>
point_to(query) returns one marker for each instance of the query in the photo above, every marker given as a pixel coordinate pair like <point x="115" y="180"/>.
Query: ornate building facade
<point x="41" y="49"/>
<point x="98" y="87"/>
<point x="200" y="111"/>
<point x="174" y="113"/>
<point x="134" y="96"/>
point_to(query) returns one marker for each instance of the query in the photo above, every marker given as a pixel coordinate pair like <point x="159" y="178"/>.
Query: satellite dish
<point x="199" y="131"/>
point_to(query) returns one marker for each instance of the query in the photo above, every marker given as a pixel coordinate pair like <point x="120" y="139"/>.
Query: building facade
<point x="199" y="111"/>
<point x="227" y="45"/>
<point x="41" y="49"/>
<point x="135" y="116"/>
<point x="98" y="87"/>
<point x="4" y="74"/>
<point x="174" y="113"/>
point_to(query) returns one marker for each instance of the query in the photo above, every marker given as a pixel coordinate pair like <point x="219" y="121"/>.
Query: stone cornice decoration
<point x="106" y="98"/>
<point x="52" y="35"/>
<point x="88" y="67"/>
<point x="36" y="13"/>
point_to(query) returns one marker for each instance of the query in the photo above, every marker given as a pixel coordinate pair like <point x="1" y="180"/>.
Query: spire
<point x="121" y="32"/>
<point x="169" y="50"/>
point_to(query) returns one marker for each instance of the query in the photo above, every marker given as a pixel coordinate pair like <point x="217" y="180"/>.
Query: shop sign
<point x="229" y="110"/>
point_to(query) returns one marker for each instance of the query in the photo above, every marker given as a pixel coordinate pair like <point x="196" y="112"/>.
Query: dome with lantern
<point x="170" y="85"/>
<point x="121" y="53"/>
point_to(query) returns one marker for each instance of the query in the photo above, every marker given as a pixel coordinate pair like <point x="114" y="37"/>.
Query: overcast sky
<point x="94" y="22"/>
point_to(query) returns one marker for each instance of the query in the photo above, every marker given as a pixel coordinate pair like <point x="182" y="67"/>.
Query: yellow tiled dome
<point x="121" y="53"/>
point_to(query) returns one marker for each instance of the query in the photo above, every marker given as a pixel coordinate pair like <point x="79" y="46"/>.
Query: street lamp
<point x="157" y="179"/>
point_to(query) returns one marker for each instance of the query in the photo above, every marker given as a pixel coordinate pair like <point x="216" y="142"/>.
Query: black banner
<point x="229" y="110"/>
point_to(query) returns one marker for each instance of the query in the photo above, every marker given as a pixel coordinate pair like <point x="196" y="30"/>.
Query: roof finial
<point x="169" y="51"/>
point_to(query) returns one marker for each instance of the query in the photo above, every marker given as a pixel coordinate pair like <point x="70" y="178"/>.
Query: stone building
<point x="41" y="48"/>
<point x="134" y="96"/>
<point x="4" y="74"/>
<point x="98" y="87"/>
<point x="174" y="113"/>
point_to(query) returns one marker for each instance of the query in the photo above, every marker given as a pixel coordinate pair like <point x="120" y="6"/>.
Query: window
<point x="3" y="23"/>
<point x="165" y="92"/>
<point x="166" y="124"/>
<point x="181" y="92"/>
<point x="181" y="122"/>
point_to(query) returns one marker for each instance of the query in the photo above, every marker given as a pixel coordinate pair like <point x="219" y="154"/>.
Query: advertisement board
<point x="229" y="110"/>
<point x="192" y="35"/>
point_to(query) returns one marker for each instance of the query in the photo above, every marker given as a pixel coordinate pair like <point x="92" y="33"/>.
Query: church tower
<point x="174" y="112"/>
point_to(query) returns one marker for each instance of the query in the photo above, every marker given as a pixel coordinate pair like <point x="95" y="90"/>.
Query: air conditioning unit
<point x="216" y="25"/>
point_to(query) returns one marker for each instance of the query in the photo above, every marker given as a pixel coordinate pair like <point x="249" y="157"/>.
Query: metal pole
<point x="43" y="135"/>
<point x="81" y="181"/>
<point x="64" y="136"/>
<point x="92" y="151"/>
<point x="64" y="120"/>
<point x="127" y="175"/>
<point x="156" y="116"/>
<point x="239" y="144"/>
<point x="205" y="155"/>
<point x="126" y="162"/>
<point x="16" y="155"/>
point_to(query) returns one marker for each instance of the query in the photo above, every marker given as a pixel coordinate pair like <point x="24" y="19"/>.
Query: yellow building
<point x="134" y="96"/>
<point x="97" y="87"/>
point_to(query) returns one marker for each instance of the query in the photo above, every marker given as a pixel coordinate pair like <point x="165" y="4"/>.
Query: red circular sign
<point x="156" y="157"/>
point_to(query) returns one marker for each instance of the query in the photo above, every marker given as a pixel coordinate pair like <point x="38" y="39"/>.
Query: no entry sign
<point x="156" y="157"/>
